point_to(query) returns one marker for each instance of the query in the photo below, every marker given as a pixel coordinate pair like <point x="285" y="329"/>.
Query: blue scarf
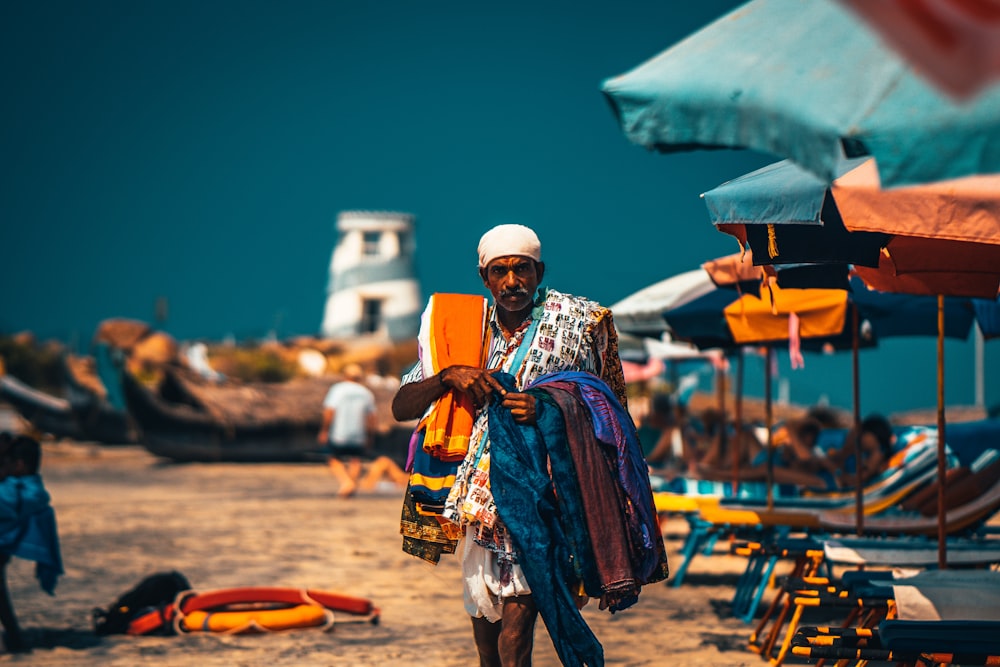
<point x="527" y="504"/>
<point x="28" y="527"/>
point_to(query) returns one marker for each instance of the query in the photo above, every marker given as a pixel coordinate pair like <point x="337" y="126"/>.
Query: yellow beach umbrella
<point x="820" y="313"/>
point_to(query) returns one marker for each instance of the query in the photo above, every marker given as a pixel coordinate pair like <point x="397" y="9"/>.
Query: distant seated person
<point x="802" y="454"/>
<point x="797" y="462"/>
<point x="674" y="443"/>
<point x="27" y="526"/>
<point x="698" y="433"/>
<point x="719" y="444"/>
<point x="712" y="445"/>
<point x="685" y="440"/>
<point x="825" y="415"/>
<point x="877" y="441"/>
<point x="660" y="437"/>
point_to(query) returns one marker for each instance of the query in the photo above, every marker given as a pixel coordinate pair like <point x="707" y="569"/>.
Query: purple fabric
<point x="603" y="503"/>
<point x="411" y="451"/>
<point x="613" y="426"/>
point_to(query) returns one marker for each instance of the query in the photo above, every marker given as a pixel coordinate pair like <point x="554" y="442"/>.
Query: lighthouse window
<point x="370" y="243"/>
<point x="371" y="315"/>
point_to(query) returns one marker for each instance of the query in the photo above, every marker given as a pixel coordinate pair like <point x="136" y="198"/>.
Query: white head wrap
<point x="504" y="240"/>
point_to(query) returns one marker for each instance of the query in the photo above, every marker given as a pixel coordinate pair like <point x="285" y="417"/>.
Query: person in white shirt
<point x="348" y="433"/>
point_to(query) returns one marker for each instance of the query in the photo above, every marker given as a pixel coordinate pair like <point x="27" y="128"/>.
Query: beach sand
<point x="124" y="514"/>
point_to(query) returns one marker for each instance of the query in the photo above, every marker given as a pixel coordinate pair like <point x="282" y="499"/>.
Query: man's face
<point x="512" y="280"/>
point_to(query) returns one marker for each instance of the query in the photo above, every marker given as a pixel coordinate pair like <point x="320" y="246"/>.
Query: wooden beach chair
<point x="968" y="506"/>
<point x="905" y="643"/>
<point x="886" y="490"/>
<point x="901" y="548"/>
<point x="862" y="596"/>
<point x="937" y="617"/>
<point x="709" y="518"/>
<point x="854" y="598"/>
<point x="919" y="551"/>
<point x="705" y="495"/>
<point x="806" y="560"/>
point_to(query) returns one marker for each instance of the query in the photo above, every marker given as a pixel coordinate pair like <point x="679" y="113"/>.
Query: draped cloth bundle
<point x="445" y="497"/>
<point x="448" y="337"/>
<point x="573" y="492"/>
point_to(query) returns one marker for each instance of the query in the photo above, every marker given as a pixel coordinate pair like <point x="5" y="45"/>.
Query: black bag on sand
<point x="155" y="592"/>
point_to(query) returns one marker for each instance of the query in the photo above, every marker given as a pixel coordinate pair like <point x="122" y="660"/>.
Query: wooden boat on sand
<point x="45" y="412"/>
<point x="187" y="418"/>
<point x="83" y="414"/>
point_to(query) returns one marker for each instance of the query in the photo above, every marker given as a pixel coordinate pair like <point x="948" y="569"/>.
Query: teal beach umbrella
<point x="946" y="232"/>
<point x="947" y="229"/>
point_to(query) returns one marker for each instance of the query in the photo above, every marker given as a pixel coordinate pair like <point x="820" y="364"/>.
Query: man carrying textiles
<point x="525" y="449"/>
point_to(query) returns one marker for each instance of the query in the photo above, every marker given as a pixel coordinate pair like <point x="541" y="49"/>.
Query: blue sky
<point x="200" y="151"/>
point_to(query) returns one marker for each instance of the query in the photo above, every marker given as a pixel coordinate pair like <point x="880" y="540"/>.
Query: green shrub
<point x="39" y="366"/>
<point x="252" y="364"/>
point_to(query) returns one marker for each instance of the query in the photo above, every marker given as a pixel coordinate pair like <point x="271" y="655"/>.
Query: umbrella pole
<point x="858" y="492"/>
<point x="768" y="422"/>
<point x="738" y="419"/>
<point x="942" y="534"/>
<point x="720" y="382"/>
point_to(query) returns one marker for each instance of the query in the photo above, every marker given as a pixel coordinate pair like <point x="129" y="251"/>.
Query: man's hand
<point x="477" y="383"/>
<point x="522" y="408"/>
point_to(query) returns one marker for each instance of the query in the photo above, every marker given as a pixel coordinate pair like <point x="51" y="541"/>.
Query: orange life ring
<point x="232" y="608"/>
<point x="256" y="620"/>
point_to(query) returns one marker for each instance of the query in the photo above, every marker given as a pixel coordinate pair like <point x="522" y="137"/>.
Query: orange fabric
<point x="948" y="232"/>
<point x="885" y="279"/>
<point x="733" y="269"/>
<point x="912" y="254"/>
<point x="821" y="312"/>
<point x="738" y="231"/>
<point x="899" y="457"/>
<point x="457" y="323"/>
<point x="962" y="209"/>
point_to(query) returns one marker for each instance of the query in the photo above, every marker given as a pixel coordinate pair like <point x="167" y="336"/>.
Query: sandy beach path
<point x="124" y="515"/>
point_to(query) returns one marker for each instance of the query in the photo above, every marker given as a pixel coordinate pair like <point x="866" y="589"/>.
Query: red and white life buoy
<point x="253" y="609"/>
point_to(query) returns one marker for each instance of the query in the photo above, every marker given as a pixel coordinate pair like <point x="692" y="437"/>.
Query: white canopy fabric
<point x="641" y="313"/>
<point x="666" y="349"/>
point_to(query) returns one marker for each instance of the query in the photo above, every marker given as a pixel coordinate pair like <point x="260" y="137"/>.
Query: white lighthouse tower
<point x="373" y="288"/>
